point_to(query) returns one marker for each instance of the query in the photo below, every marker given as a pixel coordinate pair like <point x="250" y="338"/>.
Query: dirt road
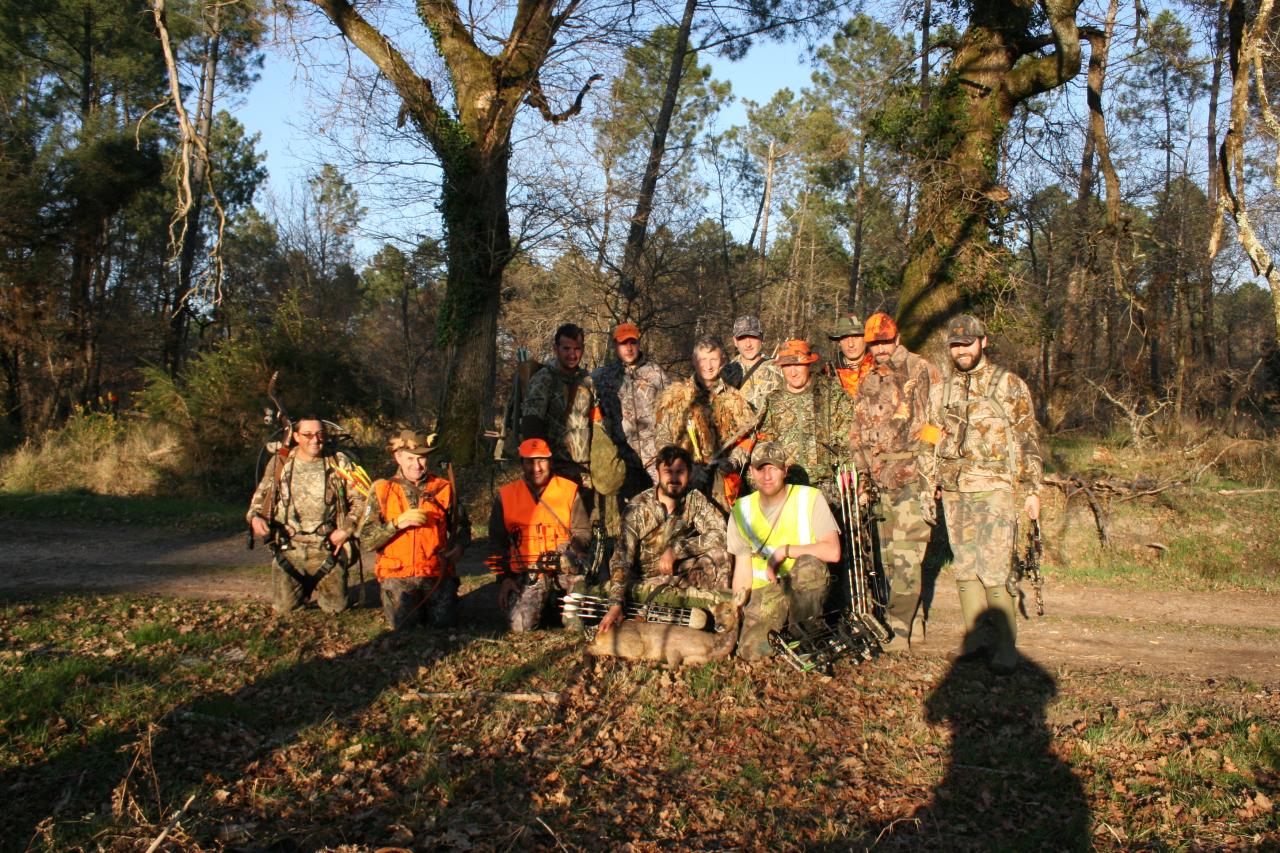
<point x="1197" y="634"/>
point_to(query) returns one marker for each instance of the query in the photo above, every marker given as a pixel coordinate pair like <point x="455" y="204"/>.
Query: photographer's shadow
<point x="1004" y="788"/>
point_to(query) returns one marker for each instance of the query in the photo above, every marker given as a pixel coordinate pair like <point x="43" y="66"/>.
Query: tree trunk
<point x="764" y="208"/>
<point x="859" y="217"/>
<point x="192" y="236"/>
<point x="1207" y="327"/>
<point x="951" y="259"/>
<point x="638" y="233"/>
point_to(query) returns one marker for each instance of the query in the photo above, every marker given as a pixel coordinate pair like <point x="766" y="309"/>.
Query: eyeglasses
<point x="310" y="436"/>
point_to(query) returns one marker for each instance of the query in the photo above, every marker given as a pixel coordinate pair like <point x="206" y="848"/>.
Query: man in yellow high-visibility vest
<point x="781" y="537"/>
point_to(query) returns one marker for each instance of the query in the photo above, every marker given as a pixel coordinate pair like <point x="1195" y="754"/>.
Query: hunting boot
<point x="1004" y="656"/>
<point x="973" y="602"/>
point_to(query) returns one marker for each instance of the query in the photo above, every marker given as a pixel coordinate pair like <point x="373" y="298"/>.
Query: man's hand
<point x="260" y="527"/>
<point x="338" y="538"/>
<point x="667" y="562"/>
<point x="780" y="554"/>
<point x="411" y="518"/>
<point x="1032" y="507"/>
<point x="613" y="617"/>
<point x="507" y="588"/>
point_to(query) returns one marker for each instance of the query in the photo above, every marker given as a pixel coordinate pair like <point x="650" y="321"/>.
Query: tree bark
<point x="473" y="148"/>
<point x="637" y="235"/>
<point x="995" y="67"/>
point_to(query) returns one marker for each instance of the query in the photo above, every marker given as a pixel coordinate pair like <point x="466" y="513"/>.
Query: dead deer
<point x="674" y="645"/>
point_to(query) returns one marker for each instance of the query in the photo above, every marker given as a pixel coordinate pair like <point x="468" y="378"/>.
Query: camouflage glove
<point x="928" y="507"/>
<point x="411" y="518"/>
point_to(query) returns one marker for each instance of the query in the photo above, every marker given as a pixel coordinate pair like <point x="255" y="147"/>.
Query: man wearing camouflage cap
<point x="751" y="371"/>
<point x="988" y="450"/>
<point x="891" y="427"/>
<point x="781" y="536"/>
<point x="811" y="417"/>
<point x="419" y="529"/>
<point x="560" y="407"/>
<point x="852" y="360"/>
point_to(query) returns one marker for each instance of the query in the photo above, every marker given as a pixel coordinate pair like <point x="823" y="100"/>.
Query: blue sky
<point x="279" y="107"/>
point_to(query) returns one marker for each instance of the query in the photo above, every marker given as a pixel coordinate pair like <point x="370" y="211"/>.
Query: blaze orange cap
<point x="795" y="351"/>
<point x="626" y="332"/>
<point x="535" y="448"/>
<point x="880" y="327"/>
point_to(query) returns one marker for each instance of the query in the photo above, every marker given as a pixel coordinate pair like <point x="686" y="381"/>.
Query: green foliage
<point x="217" y="404"/>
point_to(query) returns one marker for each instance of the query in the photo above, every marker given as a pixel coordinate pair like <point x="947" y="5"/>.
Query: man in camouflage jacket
<point x="303" y="507"/>
<point x="890" y="419"/>
<point x="672" y="539"/>
<point x="989" y="450"/>
<point x="559" y="406"/>
<point x="752" y="372"/>
<point x="628" y="391"/>
<point x="811" y="417"/>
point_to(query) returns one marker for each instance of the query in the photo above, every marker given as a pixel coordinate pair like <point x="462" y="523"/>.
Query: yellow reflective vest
<point x="792" y="527"/>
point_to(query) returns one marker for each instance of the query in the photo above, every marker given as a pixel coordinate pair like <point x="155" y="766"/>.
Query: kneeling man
<point x="672" y="537"/>
<point x="781" y="537"/>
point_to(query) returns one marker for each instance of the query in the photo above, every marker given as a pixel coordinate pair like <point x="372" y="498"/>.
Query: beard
<point x="675" y="491"/>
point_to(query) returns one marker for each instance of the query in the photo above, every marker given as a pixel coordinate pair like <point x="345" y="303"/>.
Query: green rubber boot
<point x="973" y="602"/>
<point x="1004" y="657"/>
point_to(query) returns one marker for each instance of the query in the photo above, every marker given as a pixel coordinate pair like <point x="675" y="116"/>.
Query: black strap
<point x="748" y="374"/>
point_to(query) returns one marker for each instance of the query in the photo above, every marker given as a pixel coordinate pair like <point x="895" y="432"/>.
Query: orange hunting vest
<point x="536" y="527"/>
<point x="412" y="553"/>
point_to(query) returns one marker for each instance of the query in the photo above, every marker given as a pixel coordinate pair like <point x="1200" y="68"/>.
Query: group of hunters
<point x="728" y="483"/>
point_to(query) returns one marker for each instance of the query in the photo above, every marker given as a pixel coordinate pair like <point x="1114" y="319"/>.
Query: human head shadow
<point x="1004" y="788"/>
<point x="217" y="736"/>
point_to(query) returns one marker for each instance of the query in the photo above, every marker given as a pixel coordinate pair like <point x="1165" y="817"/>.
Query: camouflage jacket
<point x="888" y="414"/>
<point x="695" y="529"/>
<point x="567" y="427"/>
<point x="628" y="396"/>
<point x="703" y="420"/>
<point x="813" y="425"/>
<point x="766" y="379"/>
<point x="307" y="508"/>
<point x="989" y="439"/>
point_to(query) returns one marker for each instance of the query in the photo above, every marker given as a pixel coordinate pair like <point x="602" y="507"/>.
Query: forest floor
<point x="149" y="693"/>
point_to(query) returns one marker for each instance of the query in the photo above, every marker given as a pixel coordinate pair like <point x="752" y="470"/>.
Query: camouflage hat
<point x="769" y="453"/>
<point x="748" y="326"/>
<point x="880" y="327"/>
<point x="417" y="443"/>
<point x="846" y="327"/>
<point x="965" y="329"/>
<point x="795" y="351"/>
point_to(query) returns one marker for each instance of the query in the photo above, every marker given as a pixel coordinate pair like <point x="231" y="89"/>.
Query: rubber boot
<point x="1004" y="656"/>
<point x="973" y="602"/>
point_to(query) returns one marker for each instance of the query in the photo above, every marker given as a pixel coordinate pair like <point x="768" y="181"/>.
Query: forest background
<point x="147" y="271"/>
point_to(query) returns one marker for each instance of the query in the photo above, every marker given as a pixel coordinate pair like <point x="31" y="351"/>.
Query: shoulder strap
<point x="538" y="499"/>
<point x="1011" y="446"/>
<point x="747" y="374"/>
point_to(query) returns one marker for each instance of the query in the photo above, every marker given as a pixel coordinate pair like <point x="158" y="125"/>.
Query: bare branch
<point x="538" y="100"/>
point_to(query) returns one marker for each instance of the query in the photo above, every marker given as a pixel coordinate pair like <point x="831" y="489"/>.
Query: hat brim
<point x="794" y="360"/>
<point x="963" y="341"/>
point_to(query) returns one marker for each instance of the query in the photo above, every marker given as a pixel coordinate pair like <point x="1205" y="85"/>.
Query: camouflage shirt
<point x="888" y="414"/>
<point x="310" y="499"/>
<point x="703" y="420"/>
<point x="694" y="529"/>
<point x="628" y="395"/>
<point x="813" y="425"/>
<point x="766" y="379"/>
<point x="989" y="435"/>
<point x="567" y="426"/>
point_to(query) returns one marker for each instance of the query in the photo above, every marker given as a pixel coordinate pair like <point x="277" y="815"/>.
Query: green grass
<point x="181" y="513"/>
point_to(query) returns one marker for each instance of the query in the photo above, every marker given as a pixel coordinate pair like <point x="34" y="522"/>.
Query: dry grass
<point x="96" y="452"/>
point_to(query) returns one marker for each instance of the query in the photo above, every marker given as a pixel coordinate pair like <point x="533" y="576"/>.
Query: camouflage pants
<point x="796" y="597"/>
<point x="290" y="593"/>
<point x="537" y="594"/>
<point x="904" y="538"/>
<point x="419" y="601"/>
<point x="980" y="527"/>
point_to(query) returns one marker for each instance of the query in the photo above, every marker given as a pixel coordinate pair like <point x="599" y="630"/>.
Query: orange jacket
<point x="536" y="527"/>
<point x="412" y="553"/>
